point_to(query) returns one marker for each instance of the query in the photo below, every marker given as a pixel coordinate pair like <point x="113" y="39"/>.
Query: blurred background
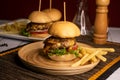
<point x="15" y="9"/>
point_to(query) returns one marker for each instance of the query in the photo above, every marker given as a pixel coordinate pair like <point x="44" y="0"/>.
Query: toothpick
<point x="39" y="5"/>
<point x="50" y="4"/>
<point x="64" y="11"/>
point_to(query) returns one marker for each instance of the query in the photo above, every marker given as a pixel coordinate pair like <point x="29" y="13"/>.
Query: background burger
<point x="61" y="46"/>
<point x="38" y="27"/>
<point x="54" y="14"/>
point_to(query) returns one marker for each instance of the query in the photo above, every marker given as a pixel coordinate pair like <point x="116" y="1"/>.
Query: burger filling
<point x="61" y="46"/>
<point x="36" y="28"/>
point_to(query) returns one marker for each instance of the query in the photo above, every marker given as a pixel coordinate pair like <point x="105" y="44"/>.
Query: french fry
<point x="94" y="59"/>
<point x="103" y="52"/>
<point x="80" y="55"/>
<point x="83" y="51"/>
<point x="90" y="56"/>
<point x="103" y="49"/>
<point x="88" y="50"/>
<point x="107" y="49"/>
<point x="81" y="60"/>
<point x="101" y="57"/>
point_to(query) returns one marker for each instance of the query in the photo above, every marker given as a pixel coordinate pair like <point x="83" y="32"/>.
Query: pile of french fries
<point x="88" y="54"/>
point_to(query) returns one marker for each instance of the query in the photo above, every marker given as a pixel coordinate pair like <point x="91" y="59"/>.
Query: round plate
<point x="32" y="56"/>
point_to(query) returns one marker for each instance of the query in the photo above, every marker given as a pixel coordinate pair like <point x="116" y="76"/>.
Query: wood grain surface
<point x="32" y="56"/>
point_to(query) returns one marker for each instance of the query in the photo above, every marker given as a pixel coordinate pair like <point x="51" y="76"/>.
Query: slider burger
<point x="61" y="46"/>
<point x="54" y="14"/>
<point x="40" y="22"/>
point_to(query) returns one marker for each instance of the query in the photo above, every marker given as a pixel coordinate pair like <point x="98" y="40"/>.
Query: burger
<point x="61" y="45"/>
<point x="54" y="14"/>
<point x="39" y="25"/>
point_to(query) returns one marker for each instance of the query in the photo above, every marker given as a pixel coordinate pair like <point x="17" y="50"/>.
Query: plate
<point x="32" y="57"/>
<point x="15" y="35"/>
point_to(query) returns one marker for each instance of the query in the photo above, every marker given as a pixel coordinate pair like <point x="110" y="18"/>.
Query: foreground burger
<point x="38" y="27"/>
<point x="61" y="46"/>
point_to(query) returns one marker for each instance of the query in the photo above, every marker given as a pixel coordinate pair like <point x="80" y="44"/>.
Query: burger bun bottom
<point x="66" y="57"/>
<point x="40" y="35"/>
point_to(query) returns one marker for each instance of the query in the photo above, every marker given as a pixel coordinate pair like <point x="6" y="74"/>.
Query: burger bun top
<point x="64" y="29"/>
<point x="53" y="13"/>
<point x="39" y="17"/>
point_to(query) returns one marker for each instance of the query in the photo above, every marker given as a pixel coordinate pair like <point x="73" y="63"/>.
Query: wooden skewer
<point x="39" y="5"/>
<point x="50" y="4"/>
<point x="64" y="11"/>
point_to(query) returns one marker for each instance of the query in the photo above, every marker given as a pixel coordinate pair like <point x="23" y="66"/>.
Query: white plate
<point x="15" y="35"/>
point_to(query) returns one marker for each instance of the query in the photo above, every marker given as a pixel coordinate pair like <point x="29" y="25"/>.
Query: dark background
<point x="15" y="9"/>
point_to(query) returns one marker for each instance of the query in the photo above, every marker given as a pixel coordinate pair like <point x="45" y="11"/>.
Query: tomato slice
<point x="75" y="47"/>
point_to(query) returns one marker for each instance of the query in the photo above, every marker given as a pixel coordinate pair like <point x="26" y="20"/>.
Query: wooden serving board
<point x="32" y="56"/>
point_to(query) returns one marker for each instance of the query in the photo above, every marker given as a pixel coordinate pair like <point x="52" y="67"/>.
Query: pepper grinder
<point x="101" y="22"/>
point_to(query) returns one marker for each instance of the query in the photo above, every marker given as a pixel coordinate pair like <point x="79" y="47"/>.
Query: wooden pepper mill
<point x="101" y="22"/>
